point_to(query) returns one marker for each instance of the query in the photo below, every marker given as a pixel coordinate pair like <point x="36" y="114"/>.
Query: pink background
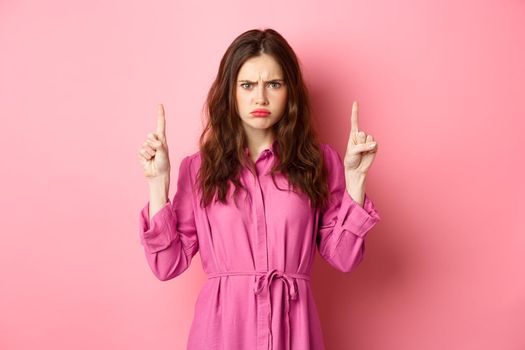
<point x="440" y="86"/>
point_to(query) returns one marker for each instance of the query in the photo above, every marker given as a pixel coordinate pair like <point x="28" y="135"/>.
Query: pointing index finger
<point x="354" y="122"/>
<point x="161" y="121"/>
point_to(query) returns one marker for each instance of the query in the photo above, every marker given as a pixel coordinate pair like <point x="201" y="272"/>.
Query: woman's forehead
<point x="260" y="67"/>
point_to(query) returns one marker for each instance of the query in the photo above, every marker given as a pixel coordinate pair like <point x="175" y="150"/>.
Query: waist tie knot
<point x="264" y="282"/>
<point x="262" y="289"/>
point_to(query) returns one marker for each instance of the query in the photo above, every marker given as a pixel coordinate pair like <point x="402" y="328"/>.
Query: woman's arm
<point x="344" y="223"/>
<point x="169" y="237"/>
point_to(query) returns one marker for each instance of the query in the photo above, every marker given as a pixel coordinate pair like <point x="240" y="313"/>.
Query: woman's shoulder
<point x="194" y="156"/>
<point x="192" y="161"/>
<point x="328" y="150"/>
<point x="331" y="156"/>
<point x="325" y="146"/>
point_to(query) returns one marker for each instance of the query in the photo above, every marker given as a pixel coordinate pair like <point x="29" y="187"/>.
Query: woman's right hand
<point x="153" y="154"/>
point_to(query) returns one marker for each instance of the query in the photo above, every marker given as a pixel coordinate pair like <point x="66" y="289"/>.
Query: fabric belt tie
<point x="263" y="281"/>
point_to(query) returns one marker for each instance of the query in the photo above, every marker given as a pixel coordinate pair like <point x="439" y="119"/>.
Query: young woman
<point x="257" y="200"/>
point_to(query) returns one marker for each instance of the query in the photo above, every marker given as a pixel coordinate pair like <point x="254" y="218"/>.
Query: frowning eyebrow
<point x="254" y="82"/>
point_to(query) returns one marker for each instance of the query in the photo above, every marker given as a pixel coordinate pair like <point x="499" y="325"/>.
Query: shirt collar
<point x="273" y="146"/>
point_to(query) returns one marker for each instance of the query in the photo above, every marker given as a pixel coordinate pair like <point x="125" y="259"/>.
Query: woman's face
<point x="260" y="85"/>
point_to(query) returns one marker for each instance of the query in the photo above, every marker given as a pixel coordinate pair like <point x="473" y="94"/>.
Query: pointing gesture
<point x="153" y="154"/>
<point x="161" y="123"/>
<point x="361" y="148"/>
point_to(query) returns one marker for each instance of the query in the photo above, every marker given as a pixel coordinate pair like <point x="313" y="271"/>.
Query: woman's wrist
<point x="158" y="193"/>
<point x="159" y="186"/>
<point x="355" y="186"/>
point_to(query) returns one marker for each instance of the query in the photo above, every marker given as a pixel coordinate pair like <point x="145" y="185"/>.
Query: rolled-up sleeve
<point x="170" y="237"/>
<point x="344" y="223"/>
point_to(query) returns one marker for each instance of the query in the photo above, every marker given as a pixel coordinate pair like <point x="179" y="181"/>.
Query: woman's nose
<point x="260" y="94"/>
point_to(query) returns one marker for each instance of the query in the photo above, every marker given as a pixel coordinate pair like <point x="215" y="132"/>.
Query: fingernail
<point x="373" y="144"/>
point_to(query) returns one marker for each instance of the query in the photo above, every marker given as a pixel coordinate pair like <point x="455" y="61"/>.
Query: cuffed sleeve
<point x="344" y="223"/>
<point x="158" y="234"/>
<point x="170" y="237"/>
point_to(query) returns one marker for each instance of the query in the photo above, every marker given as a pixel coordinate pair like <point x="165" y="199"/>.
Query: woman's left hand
<point x="361" y="149"/>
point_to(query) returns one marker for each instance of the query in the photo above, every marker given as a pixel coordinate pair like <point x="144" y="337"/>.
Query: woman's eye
<point x="274" y="85"/>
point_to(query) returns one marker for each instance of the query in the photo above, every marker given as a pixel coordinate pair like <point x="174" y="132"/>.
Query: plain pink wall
<point x="440" y="85"/>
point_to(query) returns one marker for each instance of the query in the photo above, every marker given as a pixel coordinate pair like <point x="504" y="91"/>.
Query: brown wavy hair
<point x="223" y="139"/>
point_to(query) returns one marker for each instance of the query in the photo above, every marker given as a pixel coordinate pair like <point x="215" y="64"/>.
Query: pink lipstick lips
<point x="260" y="112"/>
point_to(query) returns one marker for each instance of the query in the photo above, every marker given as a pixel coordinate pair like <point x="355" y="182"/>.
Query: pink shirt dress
<point x="258" y="256"/>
